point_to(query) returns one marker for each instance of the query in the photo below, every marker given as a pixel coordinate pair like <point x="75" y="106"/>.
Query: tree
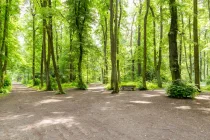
<point x="145" y="46"/>
<point x="50" y="43"/>
<point x="196" y="48"/>
<point x="113" y="39"/>
<point x="173" y="54"/>
<point x="4" y="43"/>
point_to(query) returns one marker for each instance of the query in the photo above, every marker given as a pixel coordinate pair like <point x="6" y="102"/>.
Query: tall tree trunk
<point x="50" y="40"/>
<point x="131" y="46"/>
<point x="196" y="48"/>
<point x="154" y="40"/>
<point x="1" y="53"/>
<point x="160" y="49"/>
<point x="118" y="24"/>
<point x="105" y="31"/>
<point x="4" y="47"/>
<point x="46" y="56"/>
<point x="190" y="50"/>
<point x="173" y="54"/>
<point x="113" y="37"/>
<point x="34" y="48"/>
<point x="139" y="40"/>
<point x="181" y="45"/>
<point x="71" y="68"/>
<point x="145" y="46"/>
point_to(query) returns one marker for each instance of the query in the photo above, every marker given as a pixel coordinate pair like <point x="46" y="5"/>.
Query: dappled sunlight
<point x="205" y="110"/>
<point x="47" y="101"/>
<point x="106" y="108"/>
<point x="70" y="97"/>
<point x="203" y="97"/>
<point x="57" y="112"/>
<point x="68" y="122"/>
<point x="161" y="91"/>
<point x="15" y="117"/>
<point x="149" y="95"/>
<point x="184" y="107"/>
<point x="96" y="88"/>
<point x="140" y="102"/>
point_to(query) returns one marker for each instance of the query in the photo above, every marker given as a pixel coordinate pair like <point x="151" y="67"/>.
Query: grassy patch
<point x="5" y="91"/>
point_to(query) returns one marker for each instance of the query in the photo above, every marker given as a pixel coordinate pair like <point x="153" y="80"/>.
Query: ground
<point x="95" y="114"/>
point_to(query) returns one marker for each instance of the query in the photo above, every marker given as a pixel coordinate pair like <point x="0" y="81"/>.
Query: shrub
<point x="208" y="81"/>
<point x="179" y="89"/>
<point x="37" y="82"/>
<point x="82" y="86"/>
<point x="53" y="83"/>
<point x="7" y="81"/>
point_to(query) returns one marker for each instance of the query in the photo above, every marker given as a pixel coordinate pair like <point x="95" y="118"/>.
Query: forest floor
<point x="95" y="114"/>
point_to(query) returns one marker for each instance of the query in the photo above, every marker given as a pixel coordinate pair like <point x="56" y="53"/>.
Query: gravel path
<point x="95" y="114"/>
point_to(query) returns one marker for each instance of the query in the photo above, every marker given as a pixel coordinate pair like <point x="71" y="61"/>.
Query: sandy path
<point x="95" y="114"/>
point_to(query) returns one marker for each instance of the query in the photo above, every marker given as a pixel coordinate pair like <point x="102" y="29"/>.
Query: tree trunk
<point x="113" y="37"/>
<point x="131" y="46"/>
<point x="190" y="51"/>
<point x="139" y="41"/>
<point x="4" y="47"/>
<point x="71" y="72"/>
<point x="154" y="41"/>
<point x="160" y="49"/>
<point x="173" y="54"/>
<point x="145" y="46"/>
<point x="104" y="30"/>
<point x="50" y="40"/>
<point x="34" y="48"/>
<point x="196" y="48"/>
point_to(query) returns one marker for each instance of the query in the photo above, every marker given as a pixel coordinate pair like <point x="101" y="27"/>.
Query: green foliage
<point x="53" y="83"/>
<point x="180" y="89"/>
<point x="7" y="81"/>
<point x="208" y="81"/>
<point x="81" y="86"/>
<point x="69" y="85"/>
<point x="5" y="90"/>
<point x="37" y="82"/>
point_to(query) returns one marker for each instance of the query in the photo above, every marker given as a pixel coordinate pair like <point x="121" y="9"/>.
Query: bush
<point x="37" y="82"/>
<point x="179" y="89"/>
<point x="7" y="81"/>
<point x="53" y="83"/>
<point x="82" y="86"/>
<point x="208" y="82"/>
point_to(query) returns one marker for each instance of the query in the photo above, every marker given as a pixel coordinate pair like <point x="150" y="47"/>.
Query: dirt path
<point x="95" y="114"/>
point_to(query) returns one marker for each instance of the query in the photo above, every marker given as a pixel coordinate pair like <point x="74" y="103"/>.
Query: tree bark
<point x="160" y="49"/>
<point x="190" y="50"/>
<point x="139" y="40"/>
<point x="154" y="40"/>
<point x="173" y="54"/>
<point x="113" y="37"/>
<point x="50" y="40"/>
<point x="4" y="47"/>
<point x="196" y="47"/>
<point x="145" y="46"/>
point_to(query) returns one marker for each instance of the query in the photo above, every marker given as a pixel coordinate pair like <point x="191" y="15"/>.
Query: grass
<point x="138" y="84"/>
<point x="5" y="91"/>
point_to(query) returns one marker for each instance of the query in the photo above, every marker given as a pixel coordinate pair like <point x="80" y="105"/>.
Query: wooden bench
<point x="128" y="87"/>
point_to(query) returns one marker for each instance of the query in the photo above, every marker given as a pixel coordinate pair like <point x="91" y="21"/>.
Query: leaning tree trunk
<point x="50" y="33"/>
<point x="173" y="54"/>
<point x="145" y="46"/>
<point x="196" y="48"/>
